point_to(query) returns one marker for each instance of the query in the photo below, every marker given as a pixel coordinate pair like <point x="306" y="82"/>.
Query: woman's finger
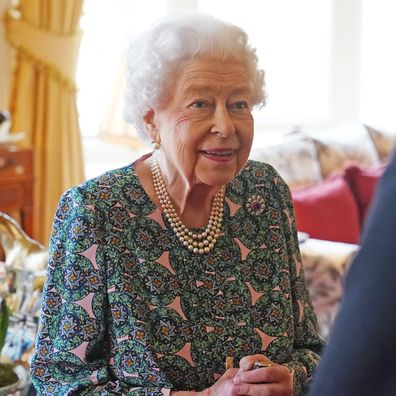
<point x="273" y="389"/>
<point x="262" y="375"/>
<point x="247" y="362"/>
<point x="261" y="381"/>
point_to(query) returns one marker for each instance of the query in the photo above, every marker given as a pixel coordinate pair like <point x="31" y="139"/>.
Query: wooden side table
<point x="16" y="184"/>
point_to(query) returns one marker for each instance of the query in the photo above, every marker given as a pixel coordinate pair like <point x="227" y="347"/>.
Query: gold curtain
<point x="46" y="36"/>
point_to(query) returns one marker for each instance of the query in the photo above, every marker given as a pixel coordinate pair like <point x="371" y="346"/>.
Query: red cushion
<point x="328" y="210"/>
<point x="363" y="182"/>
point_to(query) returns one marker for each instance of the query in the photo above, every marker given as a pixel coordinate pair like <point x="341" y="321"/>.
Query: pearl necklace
<point x="202" y="242"/>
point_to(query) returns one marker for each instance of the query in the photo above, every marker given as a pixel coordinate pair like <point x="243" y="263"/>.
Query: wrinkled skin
<point x="275" y="380"/>
<point x="205" y="130"/>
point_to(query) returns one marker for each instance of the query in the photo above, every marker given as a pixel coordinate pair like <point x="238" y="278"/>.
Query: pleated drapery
<point x="46" y="36"/>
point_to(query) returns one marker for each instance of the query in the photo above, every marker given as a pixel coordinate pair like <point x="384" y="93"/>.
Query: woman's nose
<point x="222" y="122"/>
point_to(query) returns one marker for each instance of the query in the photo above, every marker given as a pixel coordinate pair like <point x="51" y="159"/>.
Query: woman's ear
<point x="152" y="130"/>
<point x="149" y="120"/>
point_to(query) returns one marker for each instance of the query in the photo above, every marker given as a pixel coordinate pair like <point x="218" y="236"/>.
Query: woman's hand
<point x="275" y="380"/>
<point x="224" y="386"/>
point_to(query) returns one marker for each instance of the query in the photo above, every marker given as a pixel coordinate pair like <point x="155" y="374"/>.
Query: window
<point x="293" y="43"/>
<point x="326" y="61"/>
<point x="292" y="39"/>
<point x="107" y="24"/>
<point x="378" y="76"/>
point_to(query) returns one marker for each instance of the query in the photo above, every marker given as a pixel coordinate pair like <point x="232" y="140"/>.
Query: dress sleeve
<point x="307" y="342"/>
<point x="74" y="352"/>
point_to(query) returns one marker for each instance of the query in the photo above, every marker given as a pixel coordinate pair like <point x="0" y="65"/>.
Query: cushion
<point x="325" y="266"/>
<point x="384" y="141"/>
<point x="295" y="160"/>
<point x="328" y="210"/>
<point x="348" y="142"/>
<point x="363" y="182"/>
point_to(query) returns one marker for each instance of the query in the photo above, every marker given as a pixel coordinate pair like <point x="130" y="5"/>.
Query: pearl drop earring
<point x="156" y="144"/>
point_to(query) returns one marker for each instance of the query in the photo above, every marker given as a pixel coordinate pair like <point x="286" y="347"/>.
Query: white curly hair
<point x="156" y="54"/>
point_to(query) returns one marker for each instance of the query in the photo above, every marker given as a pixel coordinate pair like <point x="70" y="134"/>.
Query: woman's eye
<point x="240" y="105"/>
<point x="199" y="104"/>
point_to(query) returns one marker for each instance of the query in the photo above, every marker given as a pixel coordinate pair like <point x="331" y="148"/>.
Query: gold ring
<point x="258" y="365"/>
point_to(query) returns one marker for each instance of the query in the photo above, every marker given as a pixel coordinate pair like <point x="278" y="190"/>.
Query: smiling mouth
<point x="216" y="153"/>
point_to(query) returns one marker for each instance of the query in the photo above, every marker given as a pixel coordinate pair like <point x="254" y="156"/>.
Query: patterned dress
<point x="127" y="310"/>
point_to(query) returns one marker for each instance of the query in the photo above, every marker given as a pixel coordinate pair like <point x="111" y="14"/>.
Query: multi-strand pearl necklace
<point x="202" y="242"/>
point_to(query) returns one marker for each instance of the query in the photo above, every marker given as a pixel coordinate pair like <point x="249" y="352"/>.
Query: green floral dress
<point x="127" y="310"/>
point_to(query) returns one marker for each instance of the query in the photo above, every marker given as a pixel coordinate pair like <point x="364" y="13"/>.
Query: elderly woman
<point x="165" y="269"/>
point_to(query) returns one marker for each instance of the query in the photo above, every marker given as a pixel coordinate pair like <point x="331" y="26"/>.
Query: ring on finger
<point x="258" y="365"/>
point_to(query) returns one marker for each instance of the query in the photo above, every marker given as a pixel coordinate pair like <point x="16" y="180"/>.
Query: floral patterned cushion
<point x="384" y="141"/>
<point x="296" y="160"/>
<point x="343" y="144"/>
<point x="325" y="267"/>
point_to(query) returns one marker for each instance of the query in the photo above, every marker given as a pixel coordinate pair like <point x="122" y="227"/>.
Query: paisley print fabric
<point x="128" y="310"/>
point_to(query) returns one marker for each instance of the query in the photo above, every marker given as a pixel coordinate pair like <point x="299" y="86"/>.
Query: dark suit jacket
<point x="360" y="358"/>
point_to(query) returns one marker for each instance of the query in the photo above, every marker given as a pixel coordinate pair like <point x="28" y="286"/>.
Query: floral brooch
<point x="255" y="205"/>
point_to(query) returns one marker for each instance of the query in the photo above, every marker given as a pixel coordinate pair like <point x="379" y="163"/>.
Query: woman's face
<point x="206" y="125"/>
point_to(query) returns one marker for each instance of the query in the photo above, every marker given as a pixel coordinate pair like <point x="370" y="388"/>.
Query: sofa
<point x="332" y="174"/>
